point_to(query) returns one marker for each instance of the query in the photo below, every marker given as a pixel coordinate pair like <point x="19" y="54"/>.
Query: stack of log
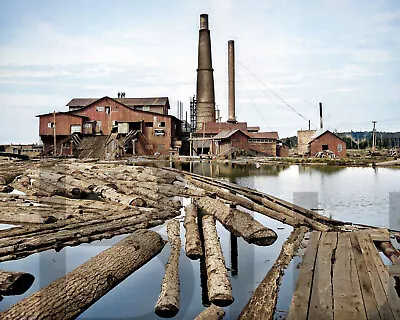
<point x="70" y="203"/>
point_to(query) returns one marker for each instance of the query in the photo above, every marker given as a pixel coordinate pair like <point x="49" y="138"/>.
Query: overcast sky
<point x="344" y="53"/>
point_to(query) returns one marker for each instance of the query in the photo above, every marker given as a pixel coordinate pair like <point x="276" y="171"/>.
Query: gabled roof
<point x="120" y="103"/>
<point x="129" y="102"/>
<point x="216" y="127"/>
<point x="226" y="134"/>
<point x="66" y="113"/>
<point x="325" y="132"/>
<point x="264" y="135"/>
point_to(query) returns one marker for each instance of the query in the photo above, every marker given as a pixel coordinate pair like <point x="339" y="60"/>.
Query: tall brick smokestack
<point x="205" y="79"/>
<point x="231" y="82"/>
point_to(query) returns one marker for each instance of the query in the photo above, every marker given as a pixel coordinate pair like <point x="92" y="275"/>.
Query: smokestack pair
<point x="205" y="110"/>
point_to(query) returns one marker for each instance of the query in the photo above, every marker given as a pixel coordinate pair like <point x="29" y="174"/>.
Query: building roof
<point x="226" y="134"/>
<point x="129" y="102"/>
<point x="66" y="113"/>
<point x="253" y="129"/>
<point x="325" y="132"/>
<point x="116" y="100"/>
<point x="217" y="127"/>
<point x="264" y="135"/>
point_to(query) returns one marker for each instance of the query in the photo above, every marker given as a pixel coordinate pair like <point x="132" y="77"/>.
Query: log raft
<point x="240" y="223"/>
<point x="218" y="283"/>
<point x="15" y="283"/>
<point x="69" y="296"/>
<point x="167" y="305"/>
<point x="193" y="246"/>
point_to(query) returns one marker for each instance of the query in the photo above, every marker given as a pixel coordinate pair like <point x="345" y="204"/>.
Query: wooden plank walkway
<point x="343" y="277"/>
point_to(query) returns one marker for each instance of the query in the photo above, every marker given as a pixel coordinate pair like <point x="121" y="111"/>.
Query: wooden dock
<point x="343" y="277"/>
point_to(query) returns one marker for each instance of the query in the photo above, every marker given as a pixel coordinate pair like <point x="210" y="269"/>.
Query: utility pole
<point x="374" y="136"/>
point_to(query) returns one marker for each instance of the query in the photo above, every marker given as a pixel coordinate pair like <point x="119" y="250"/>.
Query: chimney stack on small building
<point x="320" y="115"/>
<point x="231" y="82"/>
<point x="205" y="94"/>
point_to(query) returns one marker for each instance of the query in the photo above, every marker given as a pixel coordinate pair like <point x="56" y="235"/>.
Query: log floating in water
<point x="72" y="294"/>
<point x="193" y="243"/>
<point x="167" y="305"/>
<point x="20" y="242"/>
<point x="218" y="284"/>
<point x="211" y="313"/>
<point x="15" y="283"/>
<point x="238" y="222"/>
<point x="263" y="302"/>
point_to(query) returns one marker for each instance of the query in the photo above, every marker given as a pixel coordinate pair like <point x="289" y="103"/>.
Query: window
<point x="98" y="124"/>
<point x="50" y="125"/>
<point x="146" y="108"/>
<point x="159" y="132"/>
<point x="100" y="109"/>
<point x="324" y="147"/>
<point x="339" y="148"/>
<point x="76" y="128"/>
<point x="138" y="107"/>
<point x="161" y="124"/>
<point x="108" y="109"/>
<point x="149" y="124"/>
<point x="88" y="125"/>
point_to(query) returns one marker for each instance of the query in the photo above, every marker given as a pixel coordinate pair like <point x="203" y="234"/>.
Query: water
<point x="359" y="195"/>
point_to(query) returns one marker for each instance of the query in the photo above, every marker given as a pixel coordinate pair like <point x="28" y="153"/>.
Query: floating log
<point x="193" y="243"/>
<point x="167" y="305"/>
<point x="8" y="177"/>
<point x="390" y="251"/>
<point x="211" y="313"/>
<point x="15" y="283"/>
<point x="20" y="242"/>
<point x="218" y="284"/>
<point x="238" y="222"/>
<point x="263" y="301"/>
<point x="72" y="294"/>
<point x="294" y="220"/>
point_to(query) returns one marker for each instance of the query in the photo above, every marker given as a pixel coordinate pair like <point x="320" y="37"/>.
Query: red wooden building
<point x="328" y="141"/>
<point x="140" y="132"/>
<point x="227" y="140"/>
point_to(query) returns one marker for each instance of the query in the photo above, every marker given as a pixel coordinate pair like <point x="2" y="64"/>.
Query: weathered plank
<point x="348" y="303"/>
<point x="371" y="307"/>
<point x="321" y="302"/>
<point x="299" y="306"/>
<point x="378" y="275"/>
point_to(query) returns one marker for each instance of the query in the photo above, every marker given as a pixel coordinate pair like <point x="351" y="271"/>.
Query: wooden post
<point x="54" y="134"/>
<point x="69" y="296"/>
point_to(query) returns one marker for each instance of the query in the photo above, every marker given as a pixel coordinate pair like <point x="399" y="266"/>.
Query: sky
<point x="290" y="55"/>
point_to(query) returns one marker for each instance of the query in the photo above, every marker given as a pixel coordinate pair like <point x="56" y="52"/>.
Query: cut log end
<point x="167" y="311"/>
<point x="222" y="300"/>
<point x="16" y="284"/>
<point x="263" y="237"/>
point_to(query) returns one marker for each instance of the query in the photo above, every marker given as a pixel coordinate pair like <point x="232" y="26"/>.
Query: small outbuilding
<point x="328" y="141"/>
<point x="226" y="140"/>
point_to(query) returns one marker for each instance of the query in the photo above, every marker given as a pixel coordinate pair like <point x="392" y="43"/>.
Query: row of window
<point x="106" y="109"/>
<point x="262" y="140"/>
<point x="160" y="124"/>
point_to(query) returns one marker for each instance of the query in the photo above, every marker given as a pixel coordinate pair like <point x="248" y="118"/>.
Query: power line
<point x="252" y="102"/>
<point x="276" y="95"/>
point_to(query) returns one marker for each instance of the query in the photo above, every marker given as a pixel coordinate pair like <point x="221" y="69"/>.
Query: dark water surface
<point x="359" y="195"/>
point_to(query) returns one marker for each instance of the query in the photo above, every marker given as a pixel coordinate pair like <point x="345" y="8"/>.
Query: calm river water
<point x="361" y="195"/>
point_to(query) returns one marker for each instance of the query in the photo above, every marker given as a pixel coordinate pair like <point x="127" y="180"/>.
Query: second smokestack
<point x="231" y="82"/>
<point x="320" y="115"/>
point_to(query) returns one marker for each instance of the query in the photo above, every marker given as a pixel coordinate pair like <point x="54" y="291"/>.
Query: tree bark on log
<point x="20" y="242"/>
<point x="211" y="313"/>
<point x="295" y="220"/>
<point x="193" y="243"/>
<point x="72" y="294"/>
<point x="390" y="252"/>
<point x="262" y="304"/>
<point x="240" y="223"/>
<point x="218" y="284"/>
<point x="167" y="305"/>
<point x="15" y="283"/>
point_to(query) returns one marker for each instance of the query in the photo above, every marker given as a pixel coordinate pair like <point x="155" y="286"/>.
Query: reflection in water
<point x="327" y="170"/>
<point x="234" y="255"/>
